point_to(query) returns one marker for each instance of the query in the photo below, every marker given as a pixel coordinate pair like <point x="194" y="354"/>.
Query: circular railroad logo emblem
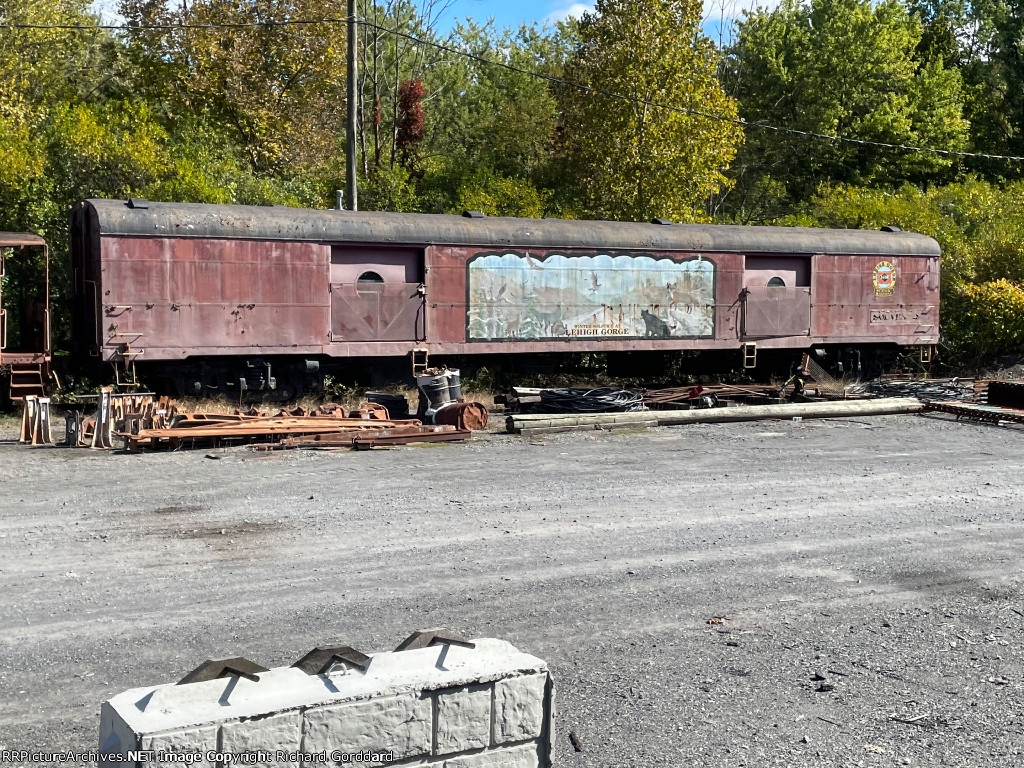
<point x="884" y="279"/>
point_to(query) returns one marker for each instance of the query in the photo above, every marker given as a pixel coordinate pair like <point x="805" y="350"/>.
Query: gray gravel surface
<point x="816" y="593"/>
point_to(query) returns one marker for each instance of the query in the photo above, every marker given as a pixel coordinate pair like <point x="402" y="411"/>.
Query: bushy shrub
<point x="984" y="320"/>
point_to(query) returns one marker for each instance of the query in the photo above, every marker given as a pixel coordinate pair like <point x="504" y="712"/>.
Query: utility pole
<point x="353" y="112"/>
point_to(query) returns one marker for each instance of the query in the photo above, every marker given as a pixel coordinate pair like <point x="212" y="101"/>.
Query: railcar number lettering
<point x="898" y="315"/>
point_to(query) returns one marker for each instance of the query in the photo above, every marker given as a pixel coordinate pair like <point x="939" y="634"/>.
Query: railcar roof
<point x="18" y="239"/>
<point x="118" y="217"/>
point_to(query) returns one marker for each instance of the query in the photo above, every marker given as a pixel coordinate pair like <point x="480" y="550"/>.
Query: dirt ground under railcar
<point x="838" y="592"/>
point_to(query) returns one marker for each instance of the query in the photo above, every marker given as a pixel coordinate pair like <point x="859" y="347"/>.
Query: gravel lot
<point x="685" y="584"/>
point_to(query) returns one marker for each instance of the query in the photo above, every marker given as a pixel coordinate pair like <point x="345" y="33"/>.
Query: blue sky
<point x="718" y="14"/>
<point x="504" y="13"/>
<point x="512" y="13"/>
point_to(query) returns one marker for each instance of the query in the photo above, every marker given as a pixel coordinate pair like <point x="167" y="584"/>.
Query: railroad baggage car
<point x="233" y="298"/>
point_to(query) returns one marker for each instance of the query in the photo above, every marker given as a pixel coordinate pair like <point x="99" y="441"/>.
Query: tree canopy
<point x="665" y="149"/>
<point x="850" y="68"/>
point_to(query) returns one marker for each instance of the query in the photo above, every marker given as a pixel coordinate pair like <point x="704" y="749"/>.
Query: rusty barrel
<point x="463" y="416"/>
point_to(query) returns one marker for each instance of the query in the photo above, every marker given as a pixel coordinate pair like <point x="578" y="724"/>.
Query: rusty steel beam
<point x="250" y="429"/>
<point x="365" y="442"/>
<point x="347" y="438"/>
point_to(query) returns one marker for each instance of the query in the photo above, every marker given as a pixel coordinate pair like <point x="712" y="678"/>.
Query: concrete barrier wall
<point x="490" y="706"/>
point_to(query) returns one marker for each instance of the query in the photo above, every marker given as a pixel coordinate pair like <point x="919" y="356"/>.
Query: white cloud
<point x="561" y="11"/>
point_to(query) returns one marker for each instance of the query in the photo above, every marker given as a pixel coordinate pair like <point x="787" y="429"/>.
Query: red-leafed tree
<point x="409" y="128"/>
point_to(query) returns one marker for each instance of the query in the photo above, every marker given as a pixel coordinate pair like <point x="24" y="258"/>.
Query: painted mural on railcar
<point x="521" y="297"/>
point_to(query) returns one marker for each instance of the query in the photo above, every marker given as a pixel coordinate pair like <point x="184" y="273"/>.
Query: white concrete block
<point x="404" y="704"/>
<point x="264" y="735"/>
<point x="185" y="740"/>
<point x="400" y="725"/>
<point x="525" y="756"/>
<point x="116" y="737"/>
<point x="168" y="707"/>
<point x="519" y="708"/>
<point x="463" y="719"/>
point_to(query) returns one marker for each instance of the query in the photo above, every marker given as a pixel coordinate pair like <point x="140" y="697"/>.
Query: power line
<point x="689" y="111"/>
<point x="511" y="67"/>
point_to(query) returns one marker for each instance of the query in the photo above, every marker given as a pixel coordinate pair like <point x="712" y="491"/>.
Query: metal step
<point x="26" y="379"/>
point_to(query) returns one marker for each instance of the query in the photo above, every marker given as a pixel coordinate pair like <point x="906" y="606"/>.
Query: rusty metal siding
<point x="232" y="280"/>
<point x="193" y="220"/>
<point x="177" y="297"/>
<point x="844" y="298"/>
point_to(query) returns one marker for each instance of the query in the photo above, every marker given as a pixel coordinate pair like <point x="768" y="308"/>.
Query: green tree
<point x="631" y="159"/>
<point x="41" y="72"/>
<point x="970" y="36"/>
<point x="840" y="67"/>
<point x="487" y="130"/>
<point x="277" y="90"/>
<point x="491" y="129"/>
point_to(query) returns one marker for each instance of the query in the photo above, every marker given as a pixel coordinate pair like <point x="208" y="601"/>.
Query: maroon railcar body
<point x="162" y="282"/>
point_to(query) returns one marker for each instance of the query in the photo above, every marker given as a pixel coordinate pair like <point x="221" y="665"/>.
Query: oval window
<point x="369" y="277"/>
<point x="776" y="289"/>
<point x="776" y="282"/>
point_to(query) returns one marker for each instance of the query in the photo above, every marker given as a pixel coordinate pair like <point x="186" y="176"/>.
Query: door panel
<point x="377" y="312"/>
<point x="776" y="296"/>
<point x="776" y="311"/>
<point x="377" y="294"/>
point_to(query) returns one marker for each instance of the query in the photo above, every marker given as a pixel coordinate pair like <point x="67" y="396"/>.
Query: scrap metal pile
<point x="995" y="402"/>
<point x="811" y="384"/>
<point x="608" y="400"/>
<point x="573" y="400"/>
<point x="141" y="421"/>
<point x="931" y="390"/>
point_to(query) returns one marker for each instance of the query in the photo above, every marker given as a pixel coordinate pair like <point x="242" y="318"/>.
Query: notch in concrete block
<point x="211" y="669"/>
<point x="425" y="638"/>
<point x="323" y="659"/>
